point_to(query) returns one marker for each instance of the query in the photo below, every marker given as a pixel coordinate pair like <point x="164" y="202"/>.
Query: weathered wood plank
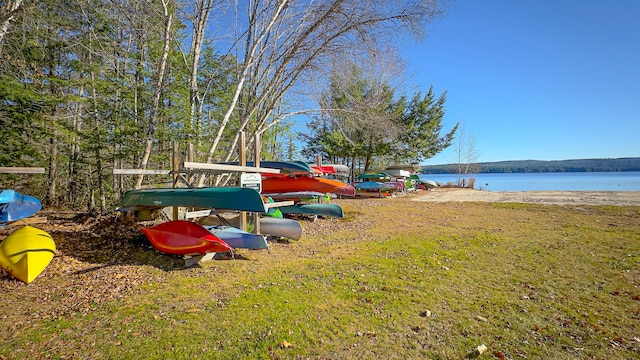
<point x="140" y="172"/>
<point x="22" y="170"/>
<point x="229" y="168"/>
<point x="268" y="206"/>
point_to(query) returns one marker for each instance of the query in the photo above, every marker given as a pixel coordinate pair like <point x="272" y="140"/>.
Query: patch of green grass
<point x="421" y="281"/>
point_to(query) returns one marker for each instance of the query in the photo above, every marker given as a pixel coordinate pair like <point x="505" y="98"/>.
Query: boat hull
<point x="283" y="184"/>
<point x="18" y="206"/>
<point x="429" y="184"/>
<point x="229" y="198"/>
<point x="238" y="238"/>
<point x="26" y="253"/>
<point x="339" y="169"/>
<point x="313" y="209"/>
<point x="181" y="237"/>
<point x="371" y="186"/>
<point x="284" y="166"/>
<point x="278" y="227"/>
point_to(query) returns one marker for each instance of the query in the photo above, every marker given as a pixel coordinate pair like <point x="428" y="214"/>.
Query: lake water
<point x="596" y="181"/>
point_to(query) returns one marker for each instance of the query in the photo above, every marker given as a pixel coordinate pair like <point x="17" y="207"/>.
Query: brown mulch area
<point x="99" y="258"/>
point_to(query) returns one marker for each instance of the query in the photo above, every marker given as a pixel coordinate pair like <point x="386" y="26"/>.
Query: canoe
<point x="396" y="185"/>
<point x="371" y="186"/>
<point x="281" y="184"/>
<point x="429" y="184"/>
<point x="285" y="166"/>
<point x="26" y="253"/>
<point x="379" y="176"/>
<point x="313" y="209"/>
<point x="339" y="169"/>
<point x="286" y="228"/>
<point x="300" y="195"/>
<point x="229" y="198"/>
<point x="18" y="207"/>
<point x="181" y="237"/>
<point x="238" y="238"/>
<point x="278" y="227"/>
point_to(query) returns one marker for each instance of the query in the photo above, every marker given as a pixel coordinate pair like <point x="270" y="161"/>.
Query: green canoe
<point x="231" y="198"/>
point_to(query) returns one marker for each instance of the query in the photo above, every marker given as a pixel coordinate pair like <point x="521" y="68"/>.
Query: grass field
<point x="394" y="279"/>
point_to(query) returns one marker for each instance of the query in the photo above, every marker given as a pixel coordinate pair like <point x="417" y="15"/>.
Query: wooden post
<point x="242" y="157"/>
<point x="256" y="163"/>
<point x="191" y="157"/>
<point x="176" y="176"/>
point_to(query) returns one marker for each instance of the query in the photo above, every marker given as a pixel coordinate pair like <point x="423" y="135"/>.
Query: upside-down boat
<point x="15" y="206"/>
<point x="180" y="237"/>
<point x="26" y="253"/>
<point x="284" y="184"/>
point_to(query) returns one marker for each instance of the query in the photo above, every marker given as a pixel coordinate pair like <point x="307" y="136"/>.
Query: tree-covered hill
<point x="533" y="166"/>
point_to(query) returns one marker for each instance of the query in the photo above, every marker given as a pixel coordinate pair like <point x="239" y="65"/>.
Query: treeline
<point x="91" y="86"/>
<point x="538" y="166"/>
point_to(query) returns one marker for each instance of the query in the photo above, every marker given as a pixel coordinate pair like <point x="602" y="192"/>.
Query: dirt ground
<point x="618" y="198"/>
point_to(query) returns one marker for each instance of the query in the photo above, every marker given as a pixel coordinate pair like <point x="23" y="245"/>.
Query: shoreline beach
<point x="616" y="198"/>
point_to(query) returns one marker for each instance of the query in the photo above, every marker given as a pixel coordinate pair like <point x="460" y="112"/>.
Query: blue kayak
<point x="20" y="207"/>
<point x="371" y="186"/>
<point x="237" y="238"/>
<point x="7" y="196"/>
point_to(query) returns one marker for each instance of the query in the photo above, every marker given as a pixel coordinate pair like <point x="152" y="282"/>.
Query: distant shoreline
<point x="541" y="166"/>
<point x="615" y="198"/>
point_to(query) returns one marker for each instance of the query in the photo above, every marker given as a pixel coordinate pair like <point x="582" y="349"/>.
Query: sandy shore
<point x="619" y="198"/>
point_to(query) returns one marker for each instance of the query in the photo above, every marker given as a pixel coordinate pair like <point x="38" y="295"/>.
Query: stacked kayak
<point x="332" y="210"/>
<point x="237" y="238"/>
<point x="15" y="206"/>
<point x="338" y="169"/>
<point x="270" y="226"/>
<point x="370" y="188"/>
<point x="181" y="237"/>
<point x="229" y="198"/>
<point x="276" y="185"/>
<point x="290" y="167"/>
<point x="379" y="177"/>
<point x="26" y="253"/>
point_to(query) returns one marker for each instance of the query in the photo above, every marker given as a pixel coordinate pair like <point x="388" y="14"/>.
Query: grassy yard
<point x="394" y="279"/>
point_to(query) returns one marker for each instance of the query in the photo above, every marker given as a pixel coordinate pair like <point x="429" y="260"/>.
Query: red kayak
<point x="181" y="237"/>
<point x="283" y="184"/>
<point x="323" y="170"/>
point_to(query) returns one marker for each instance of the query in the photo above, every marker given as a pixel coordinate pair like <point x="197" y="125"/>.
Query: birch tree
<point x="8" y="11"/>
<point x="157" y="90"/>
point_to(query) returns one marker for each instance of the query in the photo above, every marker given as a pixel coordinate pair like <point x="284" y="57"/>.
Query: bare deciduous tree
<point x="287" y="39"/>
<point x="466" y="157"/>
<point x="157" y="90"/>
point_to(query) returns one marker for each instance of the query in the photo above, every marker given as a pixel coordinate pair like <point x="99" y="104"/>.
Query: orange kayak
<point x="283" y="184"/>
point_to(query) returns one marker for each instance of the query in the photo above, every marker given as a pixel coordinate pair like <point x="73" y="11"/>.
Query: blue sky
<point x="543" y="80"/>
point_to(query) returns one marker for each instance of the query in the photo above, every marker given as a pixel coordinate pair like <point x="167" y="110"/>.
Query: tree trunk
<point x="7" y="12"/>
<point x="53" y="169"/>
<point x="157" y="92"/>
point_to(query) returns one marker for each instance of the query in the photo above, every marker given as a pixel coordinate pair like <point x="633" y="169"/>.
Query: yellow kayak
<point x="26" y="253"/>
